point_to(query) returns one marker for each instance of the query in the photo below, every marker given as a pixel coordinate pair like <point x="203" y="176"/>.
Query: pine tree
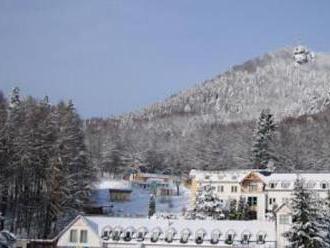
<point x="242" y="209"/>
<point x="207" y="204"/>
<point x="152" y="206"/>
<point x="3" y="159"/>
<point x="233" y="209"/>
<point x="44" y="165"/>
<point x="306" y="230"/>
<point x="264" y="132"/>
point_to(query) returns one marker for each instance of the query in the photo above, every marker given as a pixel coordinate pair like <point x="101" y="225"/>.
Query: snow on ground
<point x="139" y="203"/>
<point x="114" y="184"/>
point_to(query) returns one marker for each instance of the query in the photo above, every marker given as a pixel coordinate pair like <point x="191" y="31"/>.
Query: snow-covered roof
<point x="254" y="227"/>
<point x="220" y="176"/>
<point x="286" y="180"/>
<point x="153" y="175"/>
<point x="114" y="184"/>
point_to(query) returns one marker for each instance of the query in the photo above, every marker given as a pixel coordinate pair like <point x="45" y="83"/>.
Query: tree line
<point x="45" y="174"/>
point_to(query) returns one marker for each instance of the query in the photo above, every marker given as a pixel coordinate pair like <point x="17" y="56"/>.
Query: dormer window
<point x="116" y="233"/>
<point x="199" y="236"/>
<point x="106" y="233"/>
<point x="324" y="185"/>
<point x="169" y="236"/>
<point x="215" y="236"/>
<point x="230" y="237"/>
<point x="155" y="234"/>
<point x="311" y="184"/>
<point x="128" y="234"/>
<point x="185" y="235"/>
<point x="245" y="237"/>
<point x="141" y="233"/>
<point x="261" y="237"/>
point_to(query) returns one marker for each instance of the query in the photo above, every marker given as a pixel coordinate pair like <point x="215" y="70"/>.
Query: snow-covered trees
<point x="261" y="151"/>
<point x="207" y="204"/>
<point x="44" y="165"/>
<point x="307" y="229"/>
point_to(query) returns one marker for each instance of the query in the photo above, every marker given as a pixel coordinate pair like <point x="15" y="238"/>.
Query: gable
<point x="78" y="225"/>
<point x="253" y="177"/>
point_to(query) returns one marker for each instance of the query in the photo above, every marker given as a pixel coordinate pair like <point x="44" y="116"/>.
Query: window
<point x="261" y="238"/>
<point x="215" y="235"/>
<point x="272" y="201"/>
<point x="310" y="184"/>
<point x="234" y="189"/>
<point x="252" y="201"/>
<point x="127" y="236"/>
<point x="245" y="238"/>
<point x="285" y="184"/>
<point x="324" y="185"/>
<point x="253" y="187"/>
<point x="155" y="235"/>
<point x="284" y="219"/>
<point x="141" y="233"/>
<point x="272" y="185"/>
<point x="185" y="236"/>
<point x="83" y="236"/>
<point x="220" y="188"/>
<point x="106" y="233"/>
<point x="285" y="200"/>
<point x="73" y="236"/>
<point x="199" y="238"/>
<point x="116" y="233"/>
<point x="169" y="236"/>
<point x="229" y="239"/>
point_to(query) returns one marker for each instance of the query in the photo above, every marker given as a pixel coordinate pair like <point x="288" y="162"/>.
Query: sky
<point x="115" y="56"/>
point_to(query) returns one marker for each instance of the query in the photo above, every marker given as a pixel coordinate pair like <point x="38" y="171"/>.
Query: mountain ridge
<point x="211" y="125"/>
<point x="252" y="82"/>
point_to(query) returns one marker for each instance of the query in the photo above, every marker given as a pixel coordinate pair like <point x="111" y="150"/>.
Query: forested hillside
<point x="45" y="174"/>
<point x="211" y="125"/>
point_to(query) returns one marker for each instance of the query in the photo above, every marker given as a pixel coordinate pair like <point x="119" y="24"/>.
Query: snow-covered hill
<point x="282" y="81"/>
<point x="211" y="125"/>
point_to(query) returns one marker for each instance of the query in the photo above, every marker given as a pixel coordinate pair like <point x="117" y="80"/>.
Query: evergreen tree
<point x="306" y="230"/>
<point x="44" y="165"/>
<point x="152" y="206"/>
<point x="242" y="209"/>
<point x="264" y="132"/>
<point x="207" y="204"/>
<point x="233" y="210"/>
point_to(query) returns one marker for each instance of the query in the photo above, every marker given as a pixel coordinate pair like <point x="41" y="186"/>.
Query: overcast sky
<point x="111" y="57"/>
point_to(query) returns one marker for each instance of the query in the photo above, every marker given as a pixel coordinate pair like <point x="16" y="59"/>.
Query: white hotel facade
<point x="263" y="191"/>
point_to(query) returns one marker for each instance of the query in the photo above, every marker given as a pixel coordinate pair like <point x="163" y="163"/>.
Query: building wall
<point x="282" y="228"/>
<point x="92" y="238"/>
<point x="284" y="196"/>
<point x="172" y="245"/>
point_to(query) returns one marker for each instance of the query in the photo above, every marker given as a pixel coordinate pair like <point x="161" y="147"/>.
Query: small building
<point x="119" y="190"/>
<point x="158" y="184"/>
<point x="101" y="231"/>
<point x="120" y="194"/>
